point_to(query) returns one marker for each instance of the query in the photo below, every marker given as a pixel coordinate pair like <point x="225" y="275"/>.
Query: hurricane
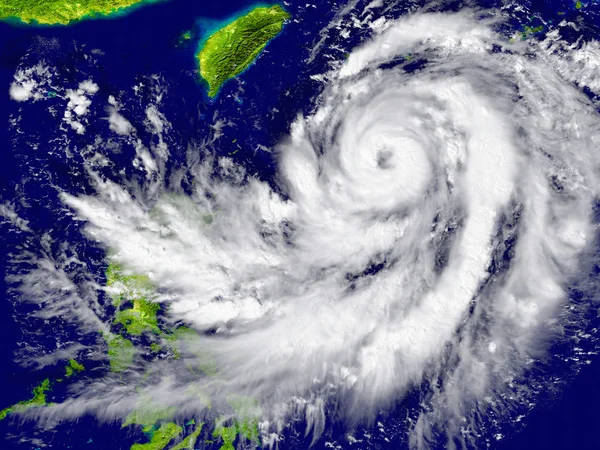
<point x="430" y="218"/>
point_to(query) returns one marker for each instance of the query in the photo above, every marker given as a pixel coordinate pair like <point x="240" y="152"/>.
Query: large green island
<point x="136" y="315"/>
<point x="231" y="49"/>
<point x="60" y="12"/>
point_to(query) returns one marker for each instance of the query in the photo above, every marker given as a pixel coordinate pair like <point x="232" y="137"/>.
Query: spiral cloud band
<point x="370" y="276"/>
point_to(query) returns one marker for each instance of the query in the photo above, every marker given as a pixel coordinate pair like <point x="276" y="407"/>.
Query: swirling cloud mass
<point x="429" y="225"/>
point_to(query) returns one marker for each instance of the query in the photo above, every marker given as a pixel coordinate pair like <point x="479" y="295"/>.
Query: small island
<point x="231" y="49"/>
<point x="60" y="12"/>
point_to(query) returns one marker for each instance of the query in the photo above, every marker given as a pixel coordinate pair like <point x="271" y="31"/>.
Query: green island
<point x="61" y="12"/>
<point x="527" y="32"/>
<point x="160" y="438"/>
<point x="184" y="38"/>
<point x="139" y="318"/>
<point x="190" y="440"/>
<point x="243" y="425"/>
<point x="136" y="314"/>
<point x="39" y="399"/>
<point x="127" y="286"/>
<point x="226" y="434"/>
<point x="39" y="392"/>
<point x="73" y="368"/>
<point x="247" y="412"/>
<point x="120" y="352"/>
<point x="157" y="424"/>
<point x="148" y="415"/>
<point x="230" y="50"/>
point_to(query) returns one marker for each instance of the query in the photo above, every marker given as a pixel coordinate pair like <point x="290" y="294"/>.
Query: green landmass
<point x="126" y="287"/>
<point x="181" y="333"/>
<point x="578" y="5"/>
<point x="226" y="434"/>
<point x="136" y="314"/>
<point x="527" y="32"/>
<point x="160" y="438"/>
<point x="230" y="50"/>
<point x="177" y="338"/>
<point x="247" y="412"/>
<point x="60" y="12"/>
<point x="139" y="318"/>
<point x="134" y="292"/>
<point x="245" y="423"/>
<point x="152" y="418"/>
<point x="132" y="295"/>
<point x="184" y="38"/>
<point x="155" y="348"/>
<point x="39" y="399"/>
<point x="148" y="415"/>
<point x="180" y="338"/>
<point x="73" y="367"/>
<point x="190" y="440"/>
<point x="120" y="352"/>
<point x="248" y="429"/>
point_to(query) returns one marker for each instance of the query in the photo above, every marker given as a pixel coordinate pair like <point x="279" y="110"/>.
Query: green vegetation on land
<point x="528" y="31"/>
<point x="60" y="12"/>
<point x="120" y="352"/>
<point x="133" y="291"/>
<point x="73" y="367"/>
<point x="139" y="318"/>
<point x="155" y="348"/>
<point x="247" y="412"/>
<point x="181" y="333"/>
<point x="160" y="438"/>
<point x="136" y="314"/>
<point x="227" y="435"/>
<point x="248" y="429"/>
<point x="39" y="399"/>
<point x="230" y="50"/>
<point x="189" y="441"/>
<point x="148" y="415"/>
<point x="127" y="287"/>
<point x="184" y="38"/>
<point x="182" y="337"/>
<point x="153" y="418"/>
<point x="245" y="423"/>
<point x="132" y="295"/>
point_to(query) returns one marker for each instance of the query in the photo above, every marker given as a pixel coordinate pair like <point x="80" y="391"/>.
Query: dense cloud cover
<point x="373" y="274"/>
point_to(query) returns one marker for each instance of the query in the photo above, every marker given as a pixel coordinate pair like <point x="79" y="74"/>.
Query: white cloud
<point x="78" y="105"/>
<point x="21" y="92"/>
<point x="88" y="86"/>
<point x="401" y="190"/>
<point x="31" y="82"/>
<point x="7" y="211"/>
<point x="118" y="123"/>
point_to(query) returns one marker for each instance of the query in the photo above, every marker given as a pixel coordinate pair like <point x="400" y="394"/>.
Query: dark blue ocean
<point x="147" y="41"/>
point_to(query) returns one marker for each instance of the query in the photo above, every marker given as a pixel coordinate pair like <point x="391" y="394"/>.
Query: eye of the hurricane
<point x="384" y="159"/>
<point x="382" y="163"/>
<point x="409" y="263"/>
